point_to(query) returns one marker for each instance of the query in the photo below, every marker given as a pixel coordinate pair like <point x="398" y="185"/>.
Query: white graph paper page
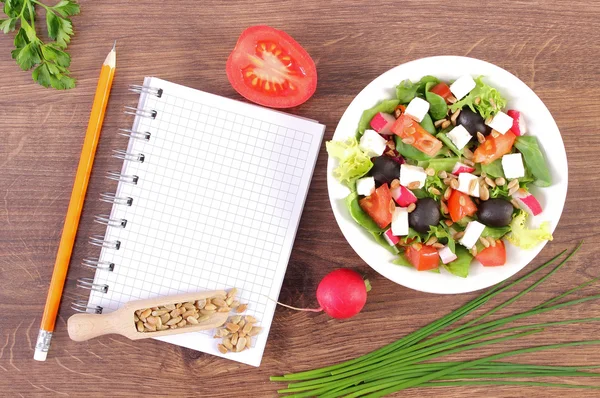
<point x="217" y="205"/>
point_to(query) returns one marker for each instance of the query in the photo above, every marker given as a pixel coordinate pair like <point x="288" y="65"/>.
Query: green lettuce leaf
<point x="524" y="237"/>
<point x="490" y="100"/>
<point x="446" y="140"/>
<point x="408" y="90"/>
<point x="409" y="151"/>
<point x="385" y="106"/>
<point x="437" y="105"/>
<point x="427" y="124"/>
<point x="534" y="160"/>
<point x="354" y="163"/>
<point x="460" y="266"/>
<point x="495" y="232"/>
<point x="384" y="243"/>
<point x="493" y="169"/>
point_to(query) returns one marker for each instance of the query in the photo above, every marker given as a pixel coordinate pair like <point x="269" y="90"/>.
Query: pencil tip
<point x="114" y="46"/>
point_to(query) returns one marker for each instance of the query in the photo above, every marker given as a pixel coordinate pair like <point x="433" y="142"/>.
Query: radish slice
<point x="462" y="168"/>
<point x="403" y="196"/>
<point x="446" y="255"/>
<point x="527" y="202"/>
<point x="390" y="238"/>
<point x="519" y="127"/>
<point x="382" y="123"/>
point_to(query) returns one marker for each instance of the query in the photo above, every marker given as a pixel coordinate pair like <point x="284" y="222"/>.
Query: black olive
<point x="473" y="122"/>
<point x="384" y="170"/>
<point x="426" y="214"/>
<point x="495" y="212"/>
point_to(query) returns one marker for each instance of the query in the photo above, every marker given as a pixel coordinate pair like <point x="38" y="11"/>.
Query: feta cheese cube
<point x="365" y="186"/>
<point x="462" y="86"/>
<point x="459" y="136"/>
<point x="410" y="174"/>
<point x="372" y="143"/>
<point x="400" y="222"/>
<point x="446" y="255"/>
<point x="417" y="109"/>
<point x="472" y="233"/>
<point x="512" y="165"/>
<point x="465" y="184"/>
<point x="501" y="122"/>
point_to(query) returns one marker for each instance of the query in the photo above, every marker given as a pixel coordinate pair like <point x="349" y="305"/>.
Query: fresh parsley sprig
<point x="50" y="60"/>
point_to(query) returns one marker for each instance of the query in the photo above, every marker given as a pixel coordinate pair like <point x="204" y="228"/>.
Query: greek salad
<point x="441" y="175"/>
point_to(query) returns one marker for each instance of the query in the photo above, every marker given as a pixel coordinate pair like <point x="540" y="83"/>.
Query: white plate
<point x="539" y="123"/>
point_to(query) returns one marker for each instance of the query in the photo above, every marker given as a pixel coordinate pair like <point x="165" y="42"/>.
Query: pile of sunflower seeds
<point x="179" y="315"/>
<point x="237" y="333"/>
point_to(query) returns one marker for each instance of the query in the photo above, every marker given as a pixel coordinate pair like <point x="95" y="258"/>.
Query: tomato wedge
<point x="423" y="258"/>
<point x="494" y="147"/>
<point x="379" y="206"/>
<point x="442" y="89"/>
<point x="493" y="256"/>
<point x="460" y="205"/>
<point x="269" y="67"/>
<point x="411" y="131"/>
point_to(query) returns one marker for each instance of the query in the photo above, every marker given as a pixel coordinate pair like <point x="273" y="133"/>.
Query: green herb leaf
<point x="495" y="232"/>
<point x="444" y="138"/>
<point x="534" y="160"/>
<point x="524" y="237"/>
<point x="8" y="25"/>
<point x="67" y="8"/>
<point x="53" y="24"/>
<point x="437" y="105"/>
<point x="386" y="106"/>
<point x="63" y="36"/>
<point x="402" y="260"/>
<point x="54" y="54"/>
<point x="27" y="56"/>
<point x="460" y="266"/>
<point x="439" y="164"/>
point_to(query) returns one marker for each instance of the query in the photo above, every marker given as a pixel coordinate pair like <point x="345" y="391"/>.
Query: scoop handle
<point x="83" y="327"/>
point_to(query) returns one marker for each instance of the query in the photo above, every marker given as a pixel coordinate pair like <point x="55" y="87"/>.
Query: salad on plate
<point x="442" y="175"/>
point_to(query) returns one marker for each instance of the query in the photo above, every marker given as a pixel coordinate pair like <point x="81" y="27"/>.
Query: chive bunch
<point x="408" y="362"/>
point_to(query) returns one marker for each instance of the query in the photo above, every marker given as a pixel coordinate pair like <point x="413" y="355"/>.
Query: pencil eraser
<point x="40" y="355"/>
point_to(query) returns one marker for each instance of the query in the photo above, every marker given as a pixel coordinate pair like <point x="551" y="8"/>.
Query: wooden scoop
<point x="86" y="326"/>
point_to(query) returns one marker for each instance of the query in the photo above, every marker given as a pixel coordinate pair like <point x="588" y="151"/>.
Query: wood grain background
<point x="552" y="46"/>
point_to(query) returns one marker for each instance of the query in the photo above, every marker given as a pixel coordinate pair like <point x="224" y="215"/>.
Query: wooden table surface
<point x="551" y="46"/>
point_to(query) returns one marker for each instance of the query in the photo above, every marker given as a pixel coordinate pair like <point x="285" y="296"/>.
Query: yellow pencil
<point x="82" y="178"/>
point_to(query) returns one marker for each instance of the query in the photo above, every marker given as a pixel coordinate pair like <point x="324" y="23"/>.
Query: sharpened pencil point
<point x="114" y="46"/>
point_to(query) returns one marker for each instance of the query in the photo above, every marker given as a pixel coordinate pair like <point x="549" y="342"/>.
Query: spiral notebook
<point x="209" y="197"/>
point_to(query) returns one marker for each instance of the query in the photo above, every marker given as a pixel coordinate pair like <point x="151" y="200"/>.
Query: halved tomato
<point x="411" y="132"/>
<point x="494" y="147"/>
<point x="270" y="68"/>
<point x="460" y="205"/>
<point x="493" y="256"/>
<point x="423" y="257"/>
<point x="379" y="206"/>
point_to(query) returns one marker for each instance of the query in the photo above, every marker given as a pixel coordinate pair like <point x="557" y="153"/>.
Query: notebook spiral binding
<point x="108" y="197"/>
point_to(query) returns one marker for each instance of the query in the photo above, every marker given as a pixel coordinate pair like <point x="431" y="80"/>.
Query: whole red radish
<point x="341" y="294"/>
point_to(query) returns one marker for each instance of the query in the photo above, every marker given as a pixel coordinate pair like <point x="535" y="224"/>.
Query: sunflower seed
<point x="454" y="184"/>
<point x="513" y="190"/>
<point x="411" y="207"/>
<point x="472" y="188"/>
<point x="250" y="319"/>
<point x="451" y="99"/>
<point x="448" y="222"/>
<point x="446" y="124"/>
<point x="189" y="306"/>
<point x="235" y="304"/>
<point x="444" y="207"/>
<point x="223" y="309"/>
<point x="434" y="191"/>
<point x="182" y="323"/>
<point x="222" y="349"/>
<point x="480" y="138"/>
<point x="431" y="241"/>
<point x="462" y="201"/>
<point x="484" y="193"/>
<point x="191" y="320"/>
<point x="495" y="134"/>
<point x="442" y="174"/>
<point x="241" y="308"/>
<point x="200" y="303"/>
<point x="151" y="320"/>
<point x="413" y="185"/>
<point x="248" y="343"/>
<point x="228" y="301"/>
<point x="430" y="171"/>
<point x="210" y="307"/>
<point x="515" y="204"/>
<point x="467" y="153"/>
<point x="174" y="321"/>
<point x="232" y="327"/>
<point x="234" y="338"/>
<point x="135" y="318"/>
<point x="188" y="313"/>
<point x="255" y="331"/>
<point x="241" y="344"/>
<point x="235" y="319"/>
<point x="207" y="312"/>
<point x="227" y="343"/>
<point x="500" y="181"/>
<point x="170" y="307"/>
<point x="159" y="312"/>
<point x="165" y="317"/>
<point x="492" y="241"/>
<point x="458" y="235"/>
<point x="438" y="123"/>
<point x="513" y="183"/>
<point x="490" y="182"/>
<point x="241" y="323"/>
<point x="488" y="120"/>
<point x="178" y="305"/>
<point x="140" y="326"/>
<point x="247" y="328"/>
<point x="149" y="328"/>
<point x="219" y="302"/>
<point x="145" y="314"/>
<point x="484" y="241"/>
<point x="477" y="100"/>
<point x="474" y="251"/>
<point x="437" y="245"/>
<point x="454" y="116"/>
<point x="417" y="246"/>
<point x="468" y="162"/>
<point x="447" y="193"/>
